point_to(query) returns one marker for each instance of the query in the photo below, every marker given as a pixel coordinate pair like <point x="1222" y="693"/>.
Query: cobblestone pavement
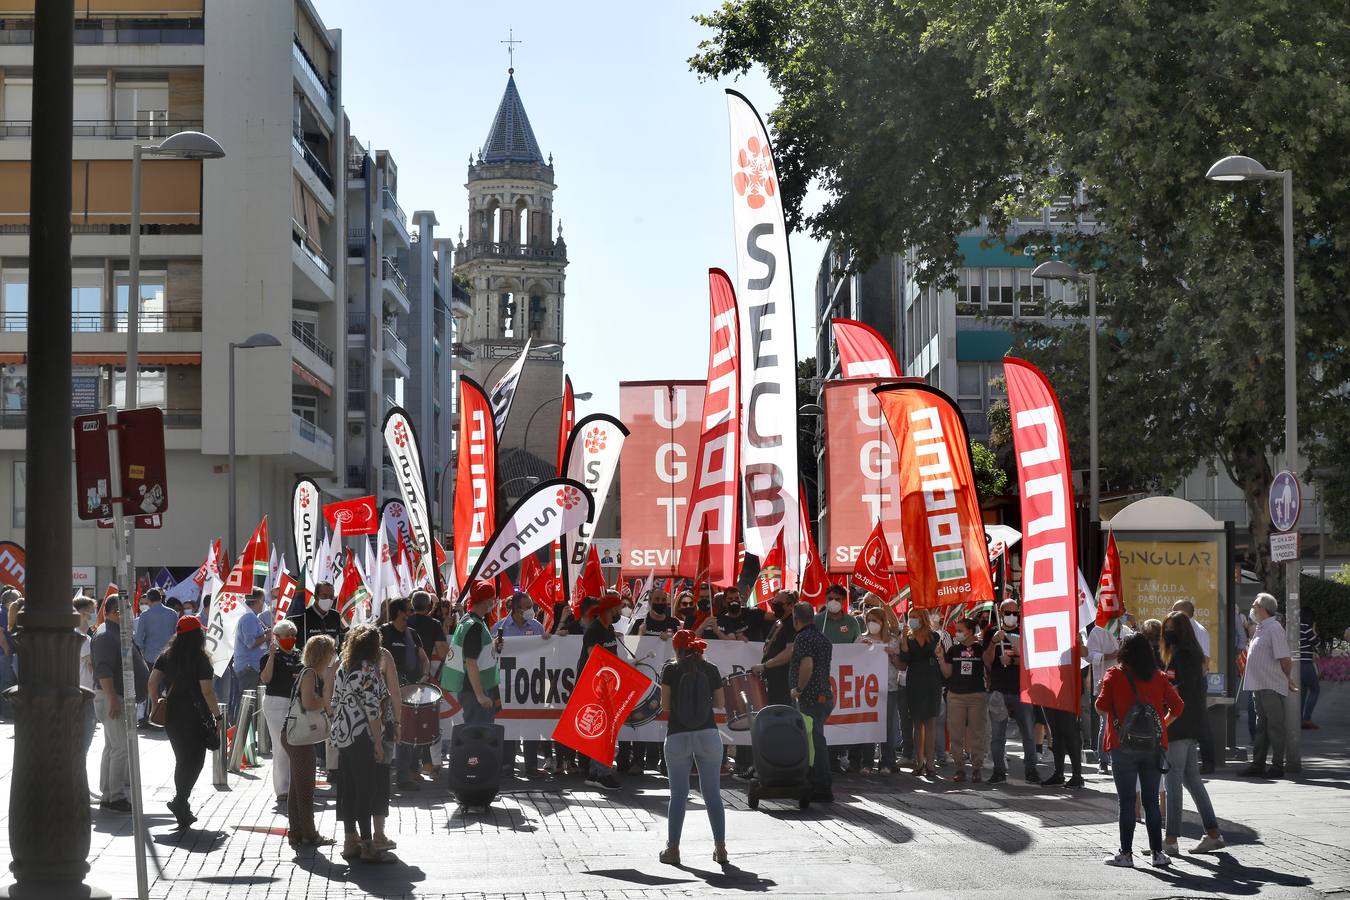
<point x="558" y="838"/>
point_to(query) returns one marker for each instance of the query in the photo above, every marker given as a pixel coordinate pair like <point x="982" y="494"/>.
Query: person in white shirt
<point x="1268" y="677"/>
<point x="1201" y="633"/>
<point x="86" y="608"/>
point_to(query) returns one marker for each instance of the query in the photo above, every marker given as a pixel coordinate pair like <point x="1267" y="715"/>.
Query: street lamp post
<point x="183" y="145"/>
<point x="1244" y="168"/>
<point x="262" y="339"/>
<point x="1054" y="270"/>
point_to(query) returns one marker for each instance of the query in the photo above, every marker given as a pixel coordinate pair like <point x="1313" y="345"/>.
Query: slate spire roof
<point x="511" y="139"/>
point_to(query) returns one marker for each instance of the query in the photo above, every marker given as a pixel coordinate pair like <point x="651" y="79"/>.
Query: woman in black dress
<point x="190" y="708"/>
<point x="923" y="685"/>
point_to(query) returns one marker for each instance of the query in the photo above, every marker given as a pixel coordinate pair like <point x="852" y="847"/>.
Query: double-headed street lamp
<point x="1244" y="168"/>
<point x="1054" y="270"/>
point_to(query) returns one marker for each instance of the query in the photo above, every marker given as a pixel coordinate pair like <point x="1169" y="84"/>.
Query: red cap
<point x="189" y="623"/>
<point x="684" y="639"/>
<point x="610" y="599"/>
<point x="482" y="590"/>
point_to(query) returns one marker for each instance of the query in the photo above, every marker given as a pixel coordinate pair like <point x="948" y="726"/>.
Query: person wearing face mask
<point x="1269" y="676"/>
<point x="471" y="669"/>
<point x="883" y="632"/>
<point x="919" y="649"/>
<point x="1005" y="696"/>
<point x="686" y="610"/>
<point x="658" y="622"/>
<point x="777" y="653"/>
<point x="835" y="622"/>
<point x="964" y="665"/>
<point x="733" y="623"/>
<point x="522" y="622"/>
<point x="280" y="668"/>
<point x="319" y="617"/>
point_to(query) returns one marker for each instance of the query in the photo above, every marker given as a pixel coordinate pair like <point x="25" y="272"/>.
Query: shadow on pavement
<point x="1228" y="876"/>
<point x="733" y="878"/>
<point x="636" y="876"/>
<point x="395" y="879"/>
<point x="191" y="840"/>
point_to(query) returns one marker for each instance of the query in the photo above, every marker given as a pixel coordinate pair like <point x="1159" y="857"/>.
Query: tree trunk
<point x="1250" y="468"/>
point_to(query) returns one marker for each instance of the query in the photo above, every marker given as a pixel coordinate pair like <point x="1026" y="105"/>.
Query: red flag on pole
<point x="863" y="352"/>
<point x="770" y="579"/>
<point x="286" y="586"/>
<point x="1110" y="603"/>
<point x="607" y="690"/>
<point x="872" y="570"/>
<point x="252" y="562"/>
<point x="592" y="580"/>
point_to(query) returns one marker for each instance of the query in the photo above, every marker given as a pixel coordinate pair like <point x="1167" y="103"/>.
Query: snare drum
<point x="649" y="707"/>
<point x="745" y="696"/>
<point x="421" y="724"/>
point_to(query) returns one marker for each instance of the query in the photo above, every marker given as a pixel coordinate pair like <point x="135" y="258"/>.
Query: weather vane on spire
<point x="510" y="43"/>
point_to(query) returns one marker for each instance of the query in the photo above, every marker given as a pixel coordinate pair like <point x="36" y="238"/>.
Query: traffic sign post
<point x="1285" y="501"/>
<point x="1285" y="504"/>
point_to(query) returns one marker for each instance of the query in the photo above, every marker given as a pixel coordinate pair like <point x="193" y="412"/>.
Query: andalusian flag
<point x="353" y="600"/>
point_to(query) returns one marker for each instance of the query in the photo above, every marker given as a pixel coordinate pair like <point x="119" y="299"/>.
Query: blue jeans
<point x="1311" y="685"/>
<point x="682" y="750"/>
<point x="1183" y="759"/>
<point x="1127" y="766"/>
<point x="998" y="744"/>
<point x="821" y="779"/>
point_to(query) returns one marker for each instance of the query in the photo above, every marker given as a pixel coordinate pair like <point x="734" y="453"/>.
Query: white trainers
<point x="1209" y="844"/>
<point x="1170" y="847"/>
<point x="1122" y="860"/>
<point x="1161" y="860"/>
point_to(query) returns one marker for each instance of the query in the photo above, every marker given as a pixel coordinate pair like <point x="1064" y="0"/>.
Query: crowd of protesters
<point x="953" y="690"/>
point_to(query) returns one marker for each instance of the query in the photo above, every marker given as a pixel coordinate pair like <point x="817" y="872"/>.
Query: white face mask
<point x="874" y="627"/>
<point x="833" y="606"/>
<point x="915" y="624"/>
<point x="1010" y="620"/>
<point x="934" y="622"/>
<point x="323" y="603"/>
<point x="529" y="615"/>
<point x="961" y="637"/>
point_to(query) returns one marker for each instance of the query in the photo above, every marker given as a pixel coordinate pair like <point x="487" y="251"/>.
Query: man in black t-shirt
<point x="778" y="649"/>
<point x="429" y="631"/>
<point x="1005" y="695"/>
<point x="411" y="662"/>
<point x="733" y="622"/>
<point x="319" y="617"/>
<point x="658" y="622"/>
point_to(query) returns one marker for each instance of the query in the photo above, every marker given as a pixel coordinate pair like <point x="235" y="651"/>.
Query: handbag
<point x="304" y="726"/>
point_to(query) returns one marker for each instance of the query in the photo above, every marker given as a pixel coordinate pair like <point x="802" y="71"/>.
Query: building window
<point x="14" y="301"/>
<point x="14" y="384"/>
<point x="970" y="387"/>
<point x="151" y="309"/>
<point x="1000" y="292"/>
<point x="86" y="300"/>
<point x="91" y="101"/>
<point x="1062" y="210"/>
<point x="969" y="292"/>
<point x="18" y="99"/>
<point x="306" y="406"/>
<point x="1030" y="294"/>
<point x="151" y="387"/>
<point x="142" y="108"/>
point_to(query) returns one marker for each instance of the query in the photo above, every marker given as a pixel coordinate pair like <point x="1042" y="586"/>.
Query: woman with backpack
<point x="1185" y="663"/>
<point x="691" y="688"/>
<point x="1138" y="703"/>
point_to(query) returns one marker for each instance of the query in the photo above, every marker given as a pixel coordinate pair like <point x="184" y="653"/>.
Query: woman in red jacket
<point x="1136" y="738"/>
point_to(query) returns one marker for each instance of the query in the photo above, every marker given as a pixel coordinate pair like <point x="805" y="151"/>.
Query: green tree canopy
<point x="923" y="118"/>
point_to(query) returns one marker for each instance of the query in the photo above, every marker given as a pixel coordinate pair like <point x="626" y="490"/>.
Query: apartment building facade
<point x="230" y="247"/>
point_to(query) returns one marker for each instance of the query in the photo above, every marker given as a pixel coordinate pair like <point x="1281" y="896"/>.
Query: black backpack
<point x="1141" y="729"/>
<point x="692" y="704"/>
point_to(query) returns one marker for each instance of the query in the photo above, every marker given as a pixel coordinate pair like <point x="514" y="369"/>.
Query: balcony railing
<point x="356" y="400"/>
<point x="316" y="81"/>
<point x="304" y="333"/>
<point x="507" y="250"/>
<point x="356" y="323"/>
<point x="356" y="476"/>
<point x="315" y="164"/>
<point x="308" y="431"/>
<point x="463" y="351"/>
<point x="112" y="129"/>
<point x="395" y="344"/>
<point x="390" y="271"/>
<point x="112" y="30"/>
<point x="356" y="165"/>
<point x="391" y="204"/>
<point x="317" y="258"/>
<point x="357" y="240"/>
<point x="78" y="228"/>
<point x="150" y="322"/>
<point x="15" y="419"/>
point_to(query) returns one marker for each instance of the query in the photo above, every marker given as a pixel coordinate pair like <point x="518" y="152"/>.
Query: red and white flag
<point x="286" y="587"/>
<point x="358" y="515"/>
<point x="607" y="690"/>
<point x="872" y="571"/>
<point x="770" y="579"/>
<point x="863" y="352"/>
<point x="715" y="494"/>
<point x="1110" y="601"/>
<point x="814" y="577"/>
<point x="251" y="563"/>
<point x="475" y="477"/>
<point x="1049" y="545"/>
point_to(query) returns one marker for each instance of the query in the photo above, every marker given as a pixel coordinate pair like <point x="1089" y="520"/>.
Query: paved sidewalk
<point x="556" y="838"/>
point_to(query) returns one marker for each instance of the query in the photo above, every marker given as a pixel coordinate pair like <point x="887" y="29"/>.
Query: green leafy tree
<point x="922" y="118"/>
<point x="991" y="480"/>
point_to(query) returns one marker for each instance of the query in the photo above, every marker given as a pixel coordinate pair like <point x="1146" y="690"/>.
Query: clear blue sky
<point x="639" y="146"/>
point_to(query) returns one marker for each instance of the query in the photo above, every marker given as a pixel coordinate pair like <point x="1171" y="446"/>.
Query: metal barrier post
<point x="219" y="777"/>
<point x="241" y="730"/>
<point x="260" y="728"/>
